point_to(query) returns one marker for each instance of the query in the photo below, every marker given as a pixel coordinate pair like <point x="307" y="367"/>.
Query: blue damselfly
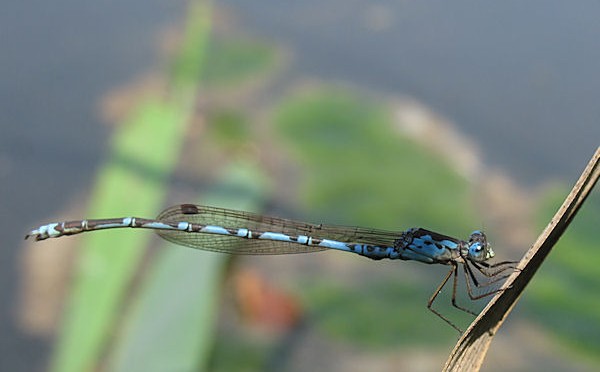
<point x="236" y="232"/>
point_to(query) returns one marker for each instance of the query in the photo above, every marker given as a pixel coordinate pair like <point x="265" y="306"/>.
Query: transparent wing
<point x="232" y="219"/>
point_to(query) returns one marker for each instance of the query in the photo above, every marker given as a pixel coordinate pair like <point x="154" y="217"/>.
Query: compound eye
<point x="476" y="250"/>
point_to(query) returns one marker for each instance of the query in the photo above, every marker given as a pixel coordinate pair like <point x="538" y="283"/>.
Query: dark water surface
<point x="521" y="78"/>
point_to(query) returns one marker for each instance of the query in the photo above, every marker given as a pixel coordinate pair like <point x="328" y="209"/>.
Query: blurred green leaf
<point x="359" y="168"/>
<point x="105" y="265"/>
<point x="189" y="63"/>
<point x="144" y="150"/>
<point x="170" y="327"/>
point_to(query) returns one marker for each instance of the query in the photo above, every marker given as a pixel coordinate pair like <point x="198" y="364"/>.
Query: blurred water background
<point x="454" y="116"/>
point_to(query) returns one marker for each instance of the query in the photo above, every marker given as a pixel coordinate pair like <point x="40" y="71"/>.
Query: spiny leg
<point x="469" y="274"/>
<point x="487" y="269"/>
<point x="492" y="278"/>
<point x="436" y="293"/>
<point x="470" y="291"/>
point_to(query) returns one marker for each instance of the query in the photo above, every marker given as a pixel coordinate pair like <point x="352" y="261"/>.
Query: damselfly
<point x="235" y="232"/>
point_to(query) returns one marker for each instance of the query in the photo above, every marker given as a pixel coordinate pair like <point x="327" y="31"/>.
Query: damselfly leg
<point x="472" y="283"/>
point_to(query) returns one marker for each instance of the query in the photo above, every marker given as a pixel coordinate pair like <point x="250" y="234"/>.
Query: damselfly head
<point x="479" y="249"/>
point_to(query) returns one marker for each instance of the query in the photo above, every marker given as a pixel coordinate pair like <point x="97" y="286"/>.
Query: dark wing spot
<point x="189" y="209"/>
